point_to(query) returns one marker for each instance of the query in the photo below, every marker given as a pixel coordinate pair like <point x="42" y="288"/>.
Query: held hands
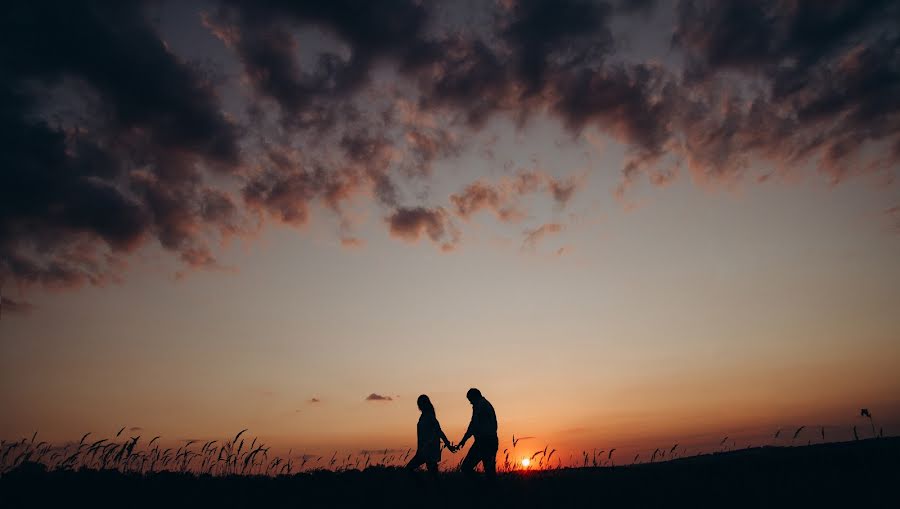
<point x="453" y="448"/>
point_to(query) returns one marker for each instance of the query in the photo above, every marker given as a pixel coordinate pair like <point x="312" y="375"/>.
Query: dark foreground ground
<point x="862" y="474"/>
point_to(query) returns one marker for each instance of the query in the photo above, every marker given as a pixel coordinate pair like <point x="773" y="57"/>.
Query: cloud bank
<point x="112" y="142"/>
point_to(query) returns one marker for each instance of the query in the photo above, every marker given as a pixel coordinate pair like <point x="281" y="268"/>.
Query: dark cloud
<point x="218" y="208"/>
<point x="759" y="36"/>
<point x="632" y="102"/>
<point x="118" y="165"/>
<point x="830" y="81"/>
<point x="412" y="223"/>
<point x="378" y="397"/>
<point x="630" y="6"/>
<point x="542" y="54"/>
<point x="262" y="33"/>
<point x="290" y="184"/>
<point x="109" y="141"/>
<point x="287" y="197"/>
<point x="551" y="35"/>
<point x="116" y="53"/>
<point x="372" y="155"/>
<point x="313" y="401"/>
<point x="470" y="78"/>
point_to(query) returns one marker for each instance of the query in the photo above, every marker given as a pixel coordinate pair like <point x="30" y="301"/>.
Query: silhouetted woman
<point x="430" y="434"/>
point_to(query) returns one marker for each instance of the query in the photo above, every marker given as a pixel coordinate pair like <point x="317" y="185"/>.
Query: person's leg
<point x="489" y="458"/>
<point x="489" y="461"/>
<point x="471" y="460"/>
<point x="416" y="462"/>
<point x="413" y="465"/>
<point x="432" y="469"/>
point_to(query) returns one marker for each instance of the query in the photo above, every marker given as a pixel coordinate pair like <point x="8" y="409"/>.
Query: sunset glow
<point x="628" y="226"/>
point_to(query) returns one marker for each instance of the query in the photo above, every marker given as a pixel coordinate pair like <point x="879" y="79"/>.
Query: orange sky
<point x="617" y="252"/>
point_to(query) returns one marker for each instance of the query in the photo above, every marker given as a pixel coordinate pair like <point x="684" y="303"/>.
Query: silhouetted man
<point x="484" y="428"/>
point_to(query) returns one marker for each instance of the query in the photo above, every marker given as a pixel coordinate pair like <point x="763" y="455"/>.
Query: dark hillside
<point x="861" y="474"/>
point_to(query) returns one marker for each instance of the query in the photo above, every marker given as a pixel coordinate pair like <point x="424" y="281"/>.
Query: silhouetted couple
<point x="483" y="427"/>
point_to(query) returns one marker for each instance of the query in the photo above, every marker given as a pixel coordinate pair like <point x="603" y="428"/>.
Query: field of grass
<point x="864" y="473"/>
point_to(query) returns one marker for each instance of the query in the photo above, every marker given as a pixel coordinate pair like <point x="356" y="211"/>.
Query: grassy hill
<point x="861" y="474"/>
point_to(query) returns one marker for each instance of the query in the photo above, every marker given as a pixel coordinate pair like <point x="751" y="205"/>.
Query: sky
<point x="628" y="223"/>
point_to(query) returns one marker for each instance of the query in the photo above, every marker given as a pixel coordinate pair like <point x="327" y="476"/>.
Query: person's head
<point x="473" y="395"/>
<point x="425" y="405"/>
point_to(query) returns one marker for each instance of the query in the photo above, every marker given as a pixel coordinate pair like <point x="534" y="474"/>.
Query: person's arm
<point x="473" y="425"/>
<point x="442" y="435"/>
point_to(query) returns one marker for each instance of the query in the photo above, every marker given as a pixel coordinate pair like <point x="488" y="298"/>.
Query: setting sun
<point x="526" y="462"/>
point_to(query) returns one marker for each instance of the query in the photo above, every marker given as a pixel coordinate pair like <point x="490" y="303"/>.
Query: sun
<point x="526" y="462"/>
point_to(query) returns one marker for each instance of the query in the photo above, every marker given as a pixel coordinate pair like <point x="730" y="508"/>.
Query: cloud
<point x="563" y="190"/>
<point x="547" y="35"/>
<point x="378" y="397"/>
<point x="534" y="237"/>
<point x="479" y="196"/>
<point x="426" y="146"/>
<point x="758" y="36"/>
<point x="314" y="401"/>
<point x="262" y="36"/>
<point x="287" y="196"/>
<point x="111" y="143"/>
<point x="634" y="103"/>
<point x="8" y="305"/>
<point x="829" y="75"/>
<point x="411" y="223"/>
<point x="503" y="197"/>
<point x="80" y="193"/>
<point x="629" y="6"/>
<point x="353" y="242"/>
